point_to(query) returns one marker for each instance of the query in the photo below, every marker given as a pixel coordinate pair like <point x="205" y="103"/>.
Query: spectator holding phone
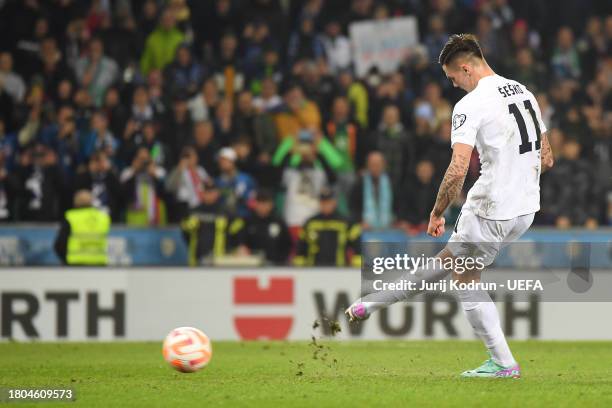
<point x="143" y="186"/>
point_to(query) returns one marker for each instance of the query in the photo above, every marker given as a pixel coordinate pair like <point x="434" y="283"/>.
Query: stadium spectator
<point x="337" y="47"/>
<point x="565" y="60"/>
<point x="161" y="44"/>
<point x="54" y="68"/>
<point x="437" y="149"/>
<point x="121" y="37"/>
<point x="98" y="137"/>
<point x="143" y="188"/>
<point x="296" y="113"/>
<point x="489" y="39"/>
<point x="116" y="112"/>
<point x="41" y="185"/>
<point x="306" y="162"/>
<point x="245" y="158"/>
<point x="592" y="47"/>
<point x="7" y="108"/>
<point x="9" y="187"/>
<point x="213" y="20"/>
<point x="570" y="192"/>
<point x="155" y="83"/>
<point x="223" y="62"/>
<point x="371" y="198"/>
<point x="436" y="36"/>
<point x="236" y="187"/>
<point x="64" y="93"/>
<point x="419" y="71"/>
<point x="268" y="100"/>
<point x="357" y="95"/>
<point x="62" y="137"/>
<point x="186" y="184"/>
<point x="270" y="11"/>
<point x="210" y="230"/>
<point x="575" y="125"/>
<point x="394" y="142"/>
<point x="305" y="43"/>
<point x="347" y="139"/>
<point x="9" y="146"/>
<point x="327" y="238"/>
<point x="245" y="114"/>
<point x="184" y="75"/>
<point x="182" y="12"/>
<point x="522" y="37"/>
<point x="228" y="66"/>
<point x="75" y="42"/>
<point x="11" y="82"/>
<point x="100" y="179"/>
<point x="257" y="127"/>
<point x="142" y="110"/>
<point x="149" y="138"/>
<point x="226" y="123"/>
<point x="95" y="71"/>
<point x="148" y="16"/>
<point x="82" y="237"/>
<point x="317" y="86"/>
<point x="265" y="232"/>
<point x="432" y="96"/>
<point x="206" y="147"/>
<point x="360" y="10"/>
<point x="527" y="71"/>
<point x="177" y="128"/>
<point x="388" y="92"/>
<point x="416" y="197"/>
<point x="257" y="40"/>
<point x="203" y="105"/>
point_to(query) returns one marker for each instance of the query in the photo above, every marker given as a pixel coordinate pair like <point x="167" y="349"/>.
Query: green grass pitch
<point x="328" y="373"/>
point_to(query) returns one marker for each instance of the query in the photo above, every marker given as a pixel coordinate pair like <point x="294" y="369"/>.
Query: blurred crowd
<point x="152" y="104"/>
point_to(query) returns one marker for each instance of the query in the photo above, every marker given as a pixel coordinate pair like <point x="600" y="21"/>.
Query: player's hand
<point x="435" y="228"/>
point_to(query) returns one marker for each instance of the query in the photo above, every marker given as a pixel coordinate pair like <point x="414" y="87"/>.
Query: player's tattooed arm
<point x="453" y="178"/>
<point x="547" y="155"/>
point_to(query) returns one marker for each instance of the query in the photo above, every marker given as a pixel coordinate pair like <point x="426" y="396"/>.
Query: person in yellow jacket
<point x="328" y="238"/>
<point x="82" y="238"/>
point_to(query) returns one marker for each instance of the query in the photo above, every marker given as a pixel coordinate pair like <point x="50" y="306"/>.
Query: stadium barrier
<point x="81" y="304"/>
<point x="31" y="245"/>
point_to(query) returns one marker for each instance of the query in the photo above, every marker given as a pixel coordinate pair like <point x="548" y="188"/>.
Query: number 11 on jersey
<point x="525" y="145"/>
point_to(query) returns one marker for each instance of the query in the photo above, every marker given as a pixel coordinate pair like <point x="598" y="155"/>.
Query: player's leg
<point x="484" y="319"/>
<point x="479" y="307"/>
<point x="364" y="307"/>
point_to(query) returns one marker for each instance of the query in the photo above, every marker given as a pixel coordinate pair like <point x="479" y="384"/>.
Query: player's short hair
<point x="460" y="44"/>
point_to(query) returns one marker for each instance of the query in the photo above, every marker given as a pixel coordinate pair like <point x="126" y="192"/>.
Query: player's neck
<point x="482" y="72"/>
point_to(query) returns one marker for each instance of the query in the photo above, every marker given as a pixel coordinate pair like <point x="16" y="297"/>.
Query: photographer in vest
<point x="82" y="238"/>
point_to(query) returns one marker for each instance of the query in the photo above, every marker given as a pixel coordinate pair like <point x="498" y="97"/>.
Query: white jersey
<point x="502" y="119"/>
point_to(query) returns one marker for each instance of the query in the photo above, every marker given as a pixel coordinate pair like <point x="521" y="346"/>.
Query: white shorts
<point x="475" y="236"/>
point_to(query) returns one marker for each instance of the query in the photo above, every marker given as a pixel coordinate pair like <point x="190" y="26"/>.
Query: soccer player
<point x="501" y="119"/>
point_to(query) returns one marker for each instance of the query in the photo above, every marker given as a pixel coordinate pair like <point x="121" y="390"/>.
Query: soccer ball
<point x="187" y="349"/>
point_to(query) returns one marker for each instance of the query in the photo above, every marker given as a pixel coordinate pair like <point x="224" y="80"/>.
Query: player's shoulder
<point x="469" y="102"/>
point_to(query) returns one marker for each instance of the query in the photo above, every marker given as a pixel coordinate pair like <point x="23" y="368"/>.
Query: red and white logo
<point x="263" y="307"/>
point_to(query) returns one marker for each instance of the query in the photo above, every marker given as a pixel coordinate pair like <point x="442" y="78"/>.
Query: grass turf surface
<point x="391" y="373"/>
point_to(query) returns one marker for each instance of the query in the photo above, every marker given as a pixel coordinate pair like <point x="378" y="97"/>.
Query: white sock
<point x="378" y="300"/>
<point x="484" y="318"/>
